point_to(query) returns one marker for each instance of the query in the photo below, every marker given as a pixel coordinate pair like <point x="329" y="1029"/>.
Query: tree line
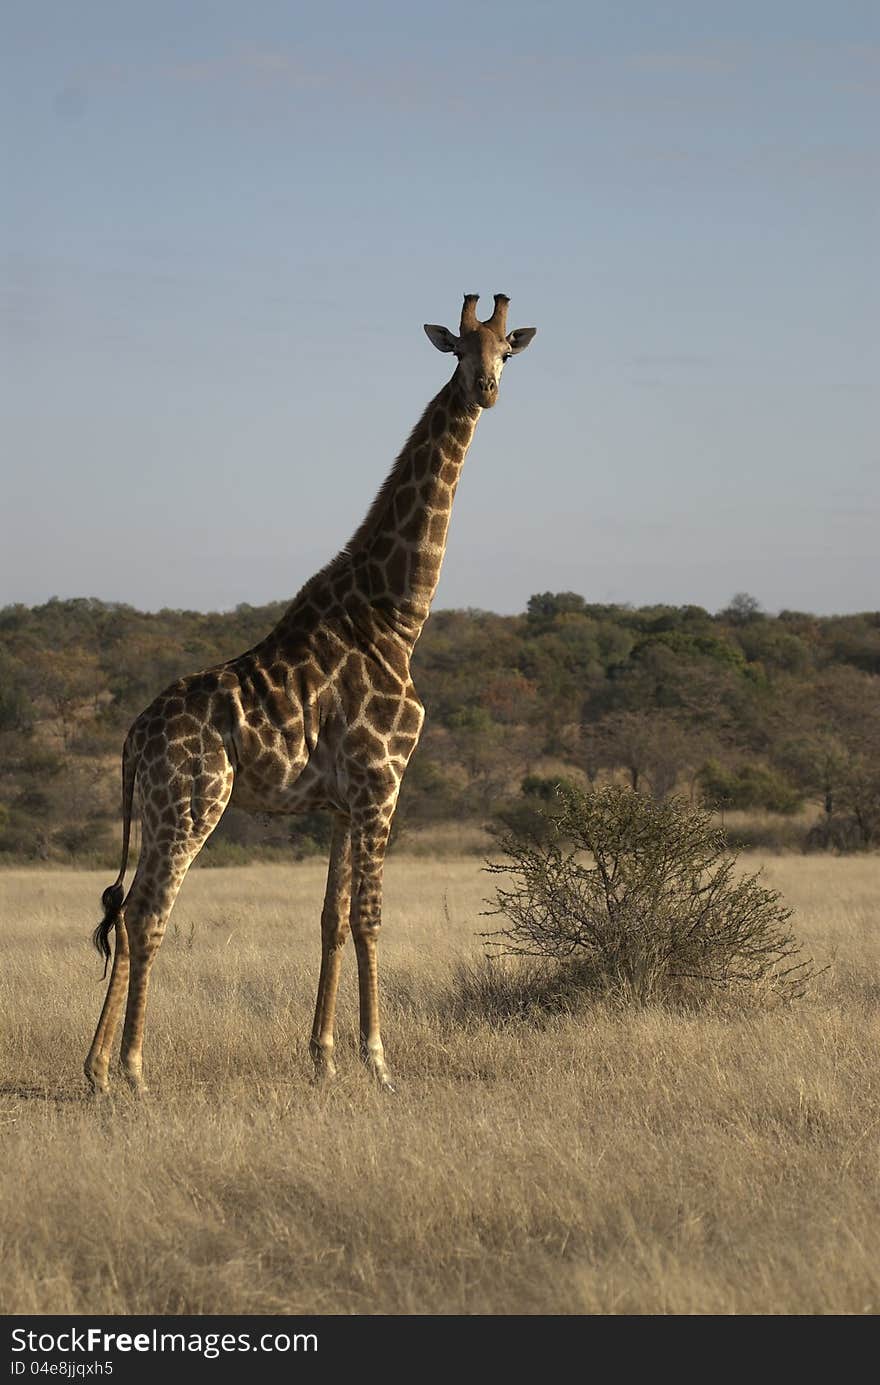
<point x="738" y="710"/>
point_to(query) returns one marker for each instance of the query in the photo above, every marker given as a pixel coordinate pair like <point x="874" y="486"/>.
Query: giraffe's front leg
<point x="334" y="931"/>
<point x="369" y="842"/>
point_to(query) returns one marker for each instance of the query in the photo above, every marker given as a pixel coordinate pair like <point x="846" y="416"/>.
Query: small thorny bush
<point x="641" y="898"/>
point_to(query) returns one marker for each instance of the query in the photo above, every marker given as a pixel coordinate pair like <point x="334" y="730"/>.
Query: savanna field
<point x="602" y="1160"/>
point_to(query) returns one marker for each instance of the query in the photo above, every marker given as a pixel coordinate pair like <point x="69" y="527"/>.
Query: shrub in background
<point x="527" y="816"/>
<point x="749" y="786"/>
<point x="641" y="898"/>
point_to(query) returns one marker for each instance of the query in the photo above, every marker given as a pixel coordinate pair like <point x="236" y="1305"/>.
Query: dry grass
<point x="465" y="838"/>
<point x="595" y="1162"/>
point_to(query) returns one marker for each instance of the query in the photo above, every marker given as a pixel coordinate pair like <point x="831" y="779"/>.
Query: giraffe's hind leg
<point x="147" y="908"/>
<point x="97" y="1064"/>
<point x="176" y="824"/>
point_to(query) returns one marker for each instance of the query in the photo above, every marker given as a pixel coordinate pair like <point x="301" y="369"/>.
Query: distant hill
<point x="741" y="709"/>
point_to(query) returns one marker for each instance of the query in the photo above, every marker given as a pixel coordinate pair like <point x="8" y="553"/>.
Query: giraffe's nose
<point x="487" y="384"/>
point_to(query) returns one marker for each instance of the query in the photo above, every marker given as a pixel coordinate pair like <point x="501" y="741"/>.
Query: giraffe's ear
<point x="519" y="340"/>
<point x="441" y="337"/>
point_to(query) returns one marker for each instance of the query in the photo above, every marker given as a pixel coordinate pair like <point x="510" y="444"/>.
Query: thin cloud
<point x="252" y="67"/>
<point x="680" y="359"/>
<point x="696" y="61"/>
<point x="842" y="159"/>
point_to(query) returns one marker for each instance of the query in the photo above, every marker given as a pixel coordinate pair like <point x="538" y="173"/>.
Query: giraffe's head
<point x="481" y="348"/>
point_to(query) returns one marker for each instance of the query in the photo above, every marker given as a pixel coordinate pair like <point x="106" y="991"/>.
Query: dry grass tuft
<point x="555" y="1158"/>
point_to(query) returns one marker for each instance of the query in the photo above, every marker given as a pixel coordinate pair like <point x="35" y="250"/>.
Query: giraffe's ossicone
<point x="322" y="713"/>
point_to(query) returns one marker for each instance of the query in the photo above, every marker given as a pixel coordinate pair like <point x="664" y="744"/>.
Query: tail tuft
<point x="112" y="897"/>
<point x="111" y="900"/>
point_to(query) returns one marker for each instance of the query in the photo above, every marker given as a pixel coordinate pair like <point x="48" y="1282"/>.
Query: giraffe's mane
<point x="378" y="509"/>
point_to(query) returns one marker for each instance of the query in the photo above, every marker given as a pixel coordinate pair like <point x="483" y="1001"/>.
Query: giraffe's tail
<point x="114" y="896"/>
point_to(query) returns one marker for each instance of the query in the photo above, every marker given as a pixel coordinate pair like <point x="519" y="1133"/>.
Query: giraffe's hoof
<point x="98" y="1081"/>
<point x="136" y="1085"/>
<point x="373" y="1058"/>
<point x="322" y="1057"/>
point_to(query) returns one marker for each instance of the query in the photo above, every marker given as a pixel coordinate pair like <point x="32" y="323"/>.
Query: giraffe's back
<point x="309" y="718"/>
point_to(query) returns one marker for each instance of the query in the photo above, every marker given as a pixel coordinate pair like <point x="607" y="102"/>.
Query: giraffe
<point x="321" y="713"/>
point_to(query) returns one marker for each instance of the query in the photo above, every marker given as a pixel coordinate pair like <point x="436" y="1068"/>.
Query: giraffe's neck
<point x="397" y="553"/>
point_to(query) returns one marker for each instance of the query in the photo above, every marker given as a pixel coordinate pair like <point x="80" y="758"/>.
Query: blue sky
<point x="224" y="225"/>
